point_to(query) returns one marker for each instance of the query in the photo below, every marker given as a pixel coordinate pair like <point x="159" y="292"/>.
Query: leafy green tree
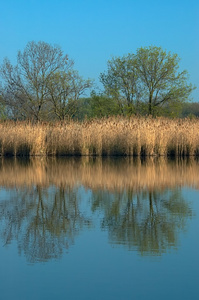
<point x="160" y="78"/>
<point x="121" y="82"/>
<point x="148" y="82"/>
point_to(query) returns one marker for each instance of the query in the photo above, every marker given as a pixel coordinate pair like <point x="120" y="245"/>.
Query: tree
<point x="159" y="76"/>
<point x="149" y="81"/>
<point x="64" y="89"/>
<point x="25" y="85"/>
<point x="121" y="81"/>
<point x="3" y="112"/>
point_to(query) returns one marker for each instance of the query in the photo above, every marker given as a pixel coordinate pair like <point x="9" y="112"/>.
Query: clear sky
<point x="92" y="31"/>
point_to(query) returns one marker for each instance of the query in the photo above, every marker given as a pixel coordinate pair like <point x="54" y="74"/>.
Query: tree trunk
<point x="150" y="103"/>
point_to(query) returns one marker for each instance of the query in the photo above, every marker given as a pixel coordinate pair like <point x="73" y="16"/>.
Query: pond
<point x="99" y="228"/>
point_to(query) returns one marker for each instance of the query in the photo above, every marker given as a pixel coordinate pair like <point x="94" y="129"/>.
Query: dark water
<point x="99" y="229"/>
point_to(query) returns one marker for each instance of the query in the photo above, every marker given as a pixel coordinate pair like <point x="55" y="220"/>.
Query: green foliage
<point x="103" y="106"/>
<point x="3" y="110"/>
<point x="3" y="113"/>
<point x="44" y="86"/>
<point x="83" y="109"/>
<point x="148" y="82"/>
<point x="97" y="106"/>
<point x="121" y="78"/>
<point x="159" y="76"/>
<point x="190" y="110"/>
<point x="122" y="83"/>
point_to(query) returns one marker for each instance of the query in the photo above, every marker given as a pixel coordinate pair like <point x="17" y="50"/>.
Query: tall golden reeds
<point x="136" y="136"/>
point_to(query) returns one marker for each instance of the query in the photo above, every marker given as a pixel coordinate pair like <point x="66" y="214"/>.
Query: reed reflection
<point x="97" y="173"/>
<point x="141" y="202"/>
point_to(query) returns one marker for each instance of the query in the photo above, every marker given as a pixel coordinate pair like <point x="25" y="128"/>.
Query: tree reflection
<point x="141" y="202"/>
<point x="148" y="221"/>
<point x="44" y="221"/>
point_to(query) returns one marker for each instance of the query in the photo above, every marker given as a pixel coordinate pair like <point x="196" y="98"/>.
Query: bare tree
<point x="64" y="89"/>
<point x="25" y="85"/>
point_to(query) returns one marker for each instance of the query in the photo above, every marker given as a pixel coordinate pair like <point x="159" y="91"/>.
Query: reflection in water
<point x="97" y="173"/>
<point x="141" y="202"/>
<point x="43" y="221"/>
<point x="147" y="220"/>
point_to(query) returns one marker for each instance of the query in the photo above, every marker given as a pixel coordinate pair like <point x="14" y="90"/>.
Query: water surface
<point x="92" y="228"/>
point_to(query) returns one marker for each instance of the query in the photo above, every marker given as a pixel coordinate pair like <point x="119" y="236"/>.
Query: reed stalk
<point x="137" y="136"/>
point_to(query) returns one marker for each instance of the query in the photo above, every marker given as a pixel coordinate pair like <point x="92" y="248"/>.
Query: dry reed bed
<point x="136" y="136"/>
<point x="97" y="174"/>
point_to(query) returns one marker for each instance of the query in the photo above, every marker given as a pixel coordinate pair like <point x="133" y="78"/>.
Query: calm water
<point x="99" y="229"/>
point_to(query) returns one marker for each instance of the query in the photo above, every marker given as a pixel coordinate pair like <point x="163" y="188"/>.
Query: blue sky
<point x="92" y="31"/>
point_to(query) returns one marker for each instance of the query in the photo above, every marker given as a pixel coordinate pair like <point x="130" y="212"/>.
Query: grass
<point x="137" y="136"/>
